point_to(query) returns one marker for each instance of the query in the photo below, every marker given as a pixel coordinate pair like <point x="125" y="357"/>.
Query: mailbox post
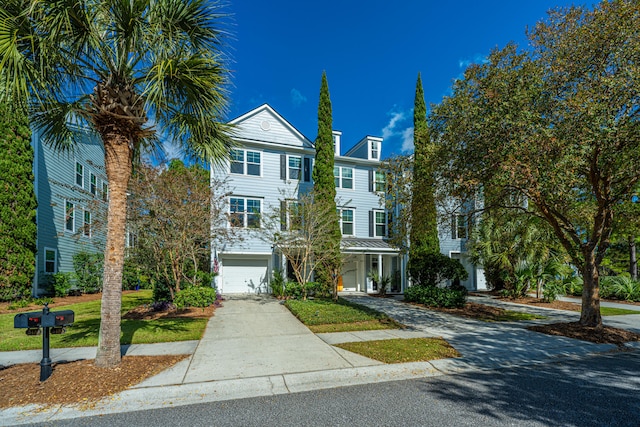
<point x="45" y="323"/>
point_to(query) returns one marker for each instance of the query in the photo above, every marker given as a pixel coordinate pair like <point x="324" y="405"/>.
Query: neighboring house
<point x="72" y="191"/>
<point x="273" y="162"/>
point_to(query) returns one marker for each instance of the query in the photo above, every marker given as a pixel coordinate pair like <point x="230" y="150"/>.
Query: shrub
<point x="161" y="291"/>
<point x="607" y="286"/>
<point x="432" y="269"/>
<point x="196" y="296"/>
<point x="61" y="283"/>
<point x="625" y="288"/>
<point x="277" y="284"/>
<point x="551" y="290"/>
<point x="293" y="290"/>
<point x="88" y="268"/>
<point x="433" y="296"/>
<point x="22" y="303"/>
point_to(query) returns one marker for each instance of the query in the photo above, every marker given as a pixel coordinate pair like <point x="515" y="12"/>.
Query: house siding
<point x="55" y="174"/>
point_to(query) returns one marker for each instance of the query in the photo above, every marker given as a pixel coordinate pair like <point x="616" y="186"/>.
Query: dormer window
<point x="375" y="150"/>
<point x="336" y="142"/>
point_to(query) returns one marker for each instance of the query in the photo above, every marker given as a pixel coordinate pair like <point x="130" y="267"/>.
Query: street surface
<point x="592" y="391"/>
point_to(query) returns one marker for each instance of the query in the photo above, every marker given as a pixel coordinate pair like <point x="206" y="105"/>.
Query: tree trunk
<point x="590" y="315"/>
<point x="633" y="261"/>
<point x="118" y="167"/>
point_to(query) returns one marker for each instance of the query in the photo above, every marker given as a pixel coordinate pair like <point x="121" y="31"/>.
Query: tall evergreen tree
<point x="325" y="188"/>
<point x="424" y="227"/>
<point x="17" y="205"/>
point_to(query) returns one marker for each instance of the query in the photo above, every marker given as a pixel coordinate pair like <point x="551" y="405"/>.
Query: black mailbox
<point x="45" y="323"/>
<point x="37" y="319"/>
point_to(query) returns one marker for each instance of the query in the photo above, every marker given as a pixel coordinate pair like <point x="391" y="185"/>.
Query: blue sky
<point x="372" y="52"/>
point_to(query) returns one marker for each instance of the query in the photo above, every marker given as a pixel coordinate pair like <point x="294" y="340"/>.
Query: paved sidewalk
<point x="254" y="346"/>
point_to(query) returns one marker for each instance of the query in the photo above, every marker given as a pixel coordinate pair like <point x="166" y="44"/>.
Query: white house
<point x="273" y="160"/>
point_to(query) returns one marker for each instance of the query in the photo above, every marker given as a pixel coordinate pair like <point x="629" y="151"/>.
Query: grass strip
<point x="325" y="315"/>
<point x="403" y="350"/>
<point x="84" y="332"/>
<point x="614" y="311"/>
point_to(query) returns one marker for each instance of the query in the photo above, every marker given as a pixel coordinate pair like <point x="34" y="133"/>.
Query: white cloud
<point x="407" y="140"/>
<point x="297" y="97"/>
<point x="390" y="129"/>
<point x="476" y="59"/>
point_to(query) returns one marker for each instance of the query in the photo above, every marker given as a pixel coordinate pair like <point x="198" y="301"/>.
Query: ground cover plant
<point x="84" y="332"/>
<point x="324" y="315"/>
<point x="402" y="350"/>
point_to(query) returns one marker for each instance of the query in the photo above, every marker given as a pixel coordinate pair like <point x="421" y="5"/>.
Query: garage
<point x="242" y="276"/>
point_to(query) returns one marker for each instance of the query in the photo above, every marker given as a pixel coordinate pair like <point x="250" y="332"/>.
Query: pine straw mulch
<point x="79" y="382"/>
<point x="535" y="302"/>
<point x="603" y="335"/>
<point x="474" y="310"/>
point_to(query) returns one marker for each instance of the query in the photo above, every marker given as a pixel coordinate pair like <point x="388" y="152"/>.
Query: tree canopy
<point x="556" y="125"/>
<point x="134" y="72"/>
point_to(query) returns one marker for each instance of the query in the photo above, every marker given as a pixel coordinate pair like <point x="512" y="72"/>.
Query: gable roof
<point x="264" y="124"/>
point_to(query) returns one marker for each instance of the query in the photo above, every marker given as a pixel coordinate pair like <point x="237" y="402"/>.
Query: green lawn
<point x="403" y="350"/>
<point x="84" y="332"/>
<point x="321" y="315"/>
<point x="613" y="311"/>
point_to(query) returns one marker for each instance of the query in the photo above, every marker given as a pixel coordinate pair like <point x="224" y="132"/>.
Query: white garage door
<point x="241" y="276"/>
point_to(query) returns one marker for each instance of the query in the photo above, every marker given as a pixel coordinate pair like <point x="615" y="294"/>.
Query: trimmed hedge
<point x="434" y="296"/>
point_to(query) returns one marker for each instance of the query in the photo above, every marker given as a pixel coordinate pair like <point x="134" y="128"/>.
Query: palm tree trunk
<point x="118" y="167"/>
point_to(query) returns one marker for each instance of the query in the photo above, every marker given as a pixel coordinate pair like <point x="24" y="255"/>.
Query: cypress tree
<point x="17" y="205"/>
<point x="424" y="229"/>
<point x="324" y="185"/>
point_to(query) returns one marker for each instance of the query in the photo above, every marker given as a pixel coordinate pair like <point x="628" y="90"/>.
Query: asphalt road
<point x="597" y="391"/>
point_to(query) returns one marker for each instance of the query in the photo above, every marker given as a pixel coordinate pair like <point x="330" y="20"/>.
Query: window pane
<point x="253" y="163"/>
<point x="50" y="261"/>
<point x="336" y="175"/>
<point x="347" y="228"/>
<point x="295" y="164"/>
<point x="347" y="183"/>
<point x="87" y="223"/>
<point x="79" y="174"/>
<point x="253" y="206"/>
<point x="347" y="215"/>
<point x="347" y="172"/>
<point x="237" y="219"/>
<point x="236" y="205"/>
<point x="237" y="155"/>
<point x="347" y="178"/>
<point x="253" y="157"/>
<point x="237" y="167"/>
<point x="253" y="221"/>
<point x="69" y="216"/>
<point x="380" y="230"/>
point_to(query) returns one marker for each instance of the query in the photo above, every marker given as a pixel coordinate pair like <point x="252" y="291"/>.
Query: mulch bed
<point x="145" y="312"/>
<point x="77" y="382"/>
<point x="557" y="305"/>
<point x="603" y="335"/>
<point x="473" y="310"/>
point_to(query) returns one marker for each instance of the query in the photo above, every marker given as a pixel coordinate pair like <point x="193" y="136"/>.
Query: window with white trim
<point x="346" y="221"/>
<point x="378" y="181"/>
<point x="380" y="223"/>
<point x="343" y="177"/>
<point x="105" y="191"/>
<point x="86" y="228"/>
<point x="94" y="183"/>
<point x="295" y="167"/>
<point x="291" y="215"/>
<point x="69" y="221"/>
<point x="459" y="227"/>
<point x="50" y="261"/>
<point x="245" y="162"/>
<point x="244" y="212"/>
<point x="375" y="150"/>
<point x="79" y="175"/>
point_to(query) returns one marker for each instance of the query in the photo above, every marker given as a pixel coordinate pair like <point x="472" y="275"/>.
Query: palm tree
<point x="133" y="71"/>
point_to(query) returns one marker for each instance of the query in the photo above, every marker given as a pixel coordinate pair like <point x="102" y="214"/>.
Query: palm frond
<point x="60" y="123"/>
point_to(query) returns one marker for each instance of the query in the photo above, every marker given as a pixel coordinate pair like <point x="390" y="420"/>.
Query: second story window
<point x="343" y="177"/>
<point x="380" y="223"/>
<point x="244" y="212"/>
<point x="105" y="191"/>
<point x="295" y="167"/>
<point x="94" y="184"/>
<point x="346" y="221"/>
<point x="244" y="162"/>
<point x="379" y="181"/>
<point x="79" y="175"/>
